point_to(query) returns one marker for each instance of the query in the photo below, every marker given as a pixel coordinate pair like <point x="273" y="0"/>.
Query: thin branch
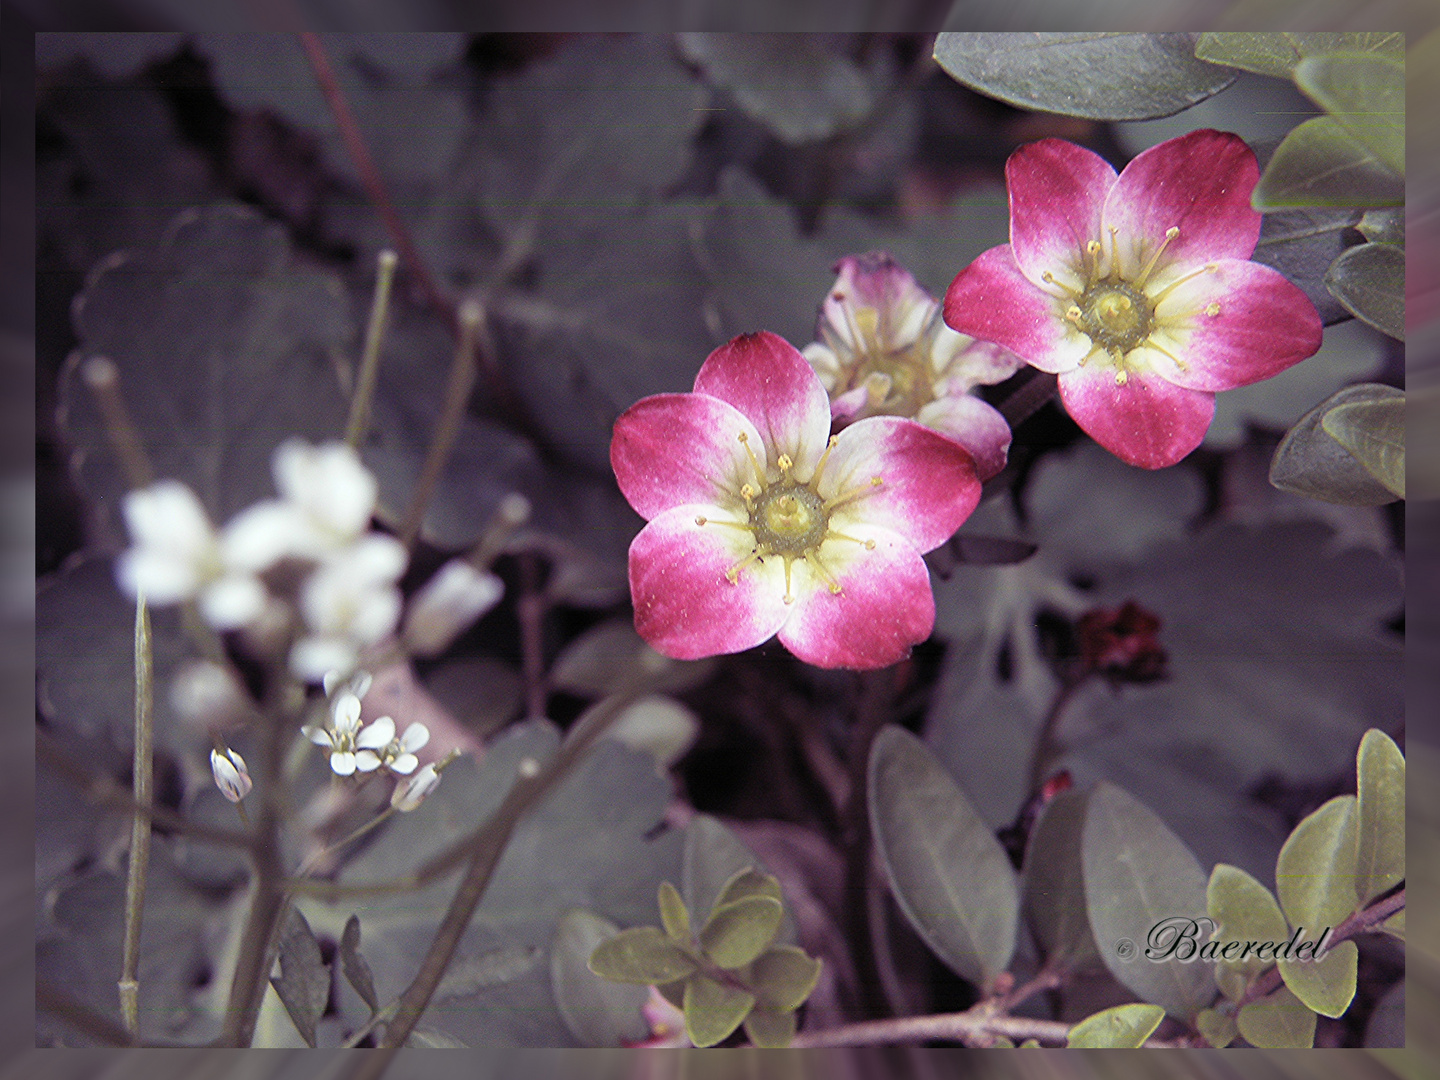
<point x="531" y="609"/>
<point x="359" y="423"/>
<point x="370" y="176"/>
<point x="1048" y="745"/>
<point x="144" y="783"/>
<point x="103" y="378"/>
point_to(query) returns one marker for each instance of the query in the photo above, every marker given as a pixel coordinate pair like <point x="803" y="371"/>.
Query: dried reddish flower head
<point x="1137" y="289"/>
<point x="1122" y="643"/>
<point x="761" y="523"/>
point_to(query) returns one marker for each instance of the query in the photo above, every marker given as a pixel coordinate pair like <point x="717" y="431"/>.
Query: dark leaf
<point x="1321" y="164"/>
<point x="1310" y="461"/>
<point x="1370" y="281"/>
<point x="1302" y="244"/>
<point x="356" y="970"/>
<point x="304" y="981"/>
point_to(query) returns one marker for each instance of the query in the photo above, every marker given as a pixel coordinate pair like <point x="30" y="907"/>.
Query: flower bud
<point x="414" y="791"/>
<point x="448" y="603"/>
<point x="231" y="776"/>
<point x="208" y="695"/>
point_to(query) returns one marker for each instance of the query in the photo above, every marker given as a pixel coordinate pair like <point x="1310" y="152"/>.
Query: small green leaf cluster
<point x="728" y="972"/>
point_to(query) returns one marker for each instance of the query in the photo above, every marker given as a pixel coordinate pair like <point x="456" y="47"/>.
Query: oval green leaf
<point x="598" y="1011"/>
<point x="770" y="1030"/>
<point x="1369" y="279"/>
<point x="1321" y="164"/>
<point x="1279" y="1021"/>
<point x="1366" y="93"/>
<point x="783" y="977"/>
<point x="1139" y="874"/>
<point x="1053" y="884"/>
<point x="673" y="914"/>
<point x="1312" y="463"/>
<point x="1383" y="226"/>
<point x="1277" y="54"/>
<point x="1243" y="910"/>
<point x="739" y="931"/>
<point x="713" y="1010"/>
<point x="1326" y="985"/>
<point x="1100" y="76"/>
<point x="949" y="874"/>
<point x="1380" y="772"/>
<point x="1218" y="1028"/>
<point x="1123" y="1027"/>
<point x="750" y="883"/>
<point x="1374" y="432"/>
<point x="1315" y="873"/>
<point x="640" y="955"/>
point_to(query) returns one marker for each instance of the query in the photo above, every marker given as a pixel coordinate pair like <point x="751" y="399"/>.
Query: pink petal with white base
<point x="767" y="379"/>
<point x="928" y="485"/>
<point x="1262" y="323"/>
<point x="1147" y="422"/>
<point x="992" y="300"/>
<point x="883" y="608"/>
<point x="1199" y="183"/>
<point x="673" y="449"/>
<point x="685" y="607"/>
<point x="1057" y="191"/>
<point x="974" y="424"/>
<point x="876" y="280"/>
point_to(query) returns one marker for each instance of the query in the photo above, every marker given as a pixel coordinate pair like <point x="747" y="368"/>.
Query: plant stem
<point x="370" y="176"/>
<point x="359" y="422"/>
<point x="1029" y="398"/>
<point x="144" y="769"/>
<point x="103" y="378"/>
<point x="531" y="610"/>
<point x="1048" y="745"/>
<point x="457" y="393"/>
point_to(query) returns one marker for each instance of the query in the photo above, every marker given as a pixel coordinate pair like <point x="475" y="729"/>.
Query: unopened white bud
<point x="415" y="790"/>
<point x="447" y="604"/>
<point x="231" y="776"/>
<point x="207" y="695"/>
<point x="514" y="509"/>
<point x="528" y="768"/>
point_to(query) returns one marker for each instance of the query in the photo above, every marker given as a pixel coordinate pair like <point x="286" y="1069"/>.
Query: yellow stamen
<point x="1049" y="279"/>
<point x="820" y="465"/>
<point x="869" y="545"/>
<point x="1074" y="314"/>
<point x="824" y="575"/>
<point x="733" y="574"/>
<point x="852" y="494"/>
<point x="1151" y="344"/>
<point x="789" y="596"/>
<point x="1212" y="310"/>
<point x="700" y="521"/>
<point x="1155" y="300"/>
<point x="747" y="493"/>
<point x="1170" y="234"/>
<point x="785" y="463"/>
<point x="759" y="469"/>
<point x="1094" y="349"/>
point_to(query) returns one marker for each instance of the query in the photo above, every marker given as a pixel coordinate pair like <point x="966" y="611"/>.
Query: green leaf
<point x="949" y="874"/>
<point x="1301" y="244"/>
<point x="750" y="882"/>
<point x="598" y="1012"/>
<point x="1053" y="884"/>
<point x="1139" y="875"/>
<point x="1243" y="910"/>
<point x="1380" y="775"/>
<point x="1374" y="432"/>
<point x="1309" y="461"/>
<point x="1277" y="54"/>
<point x="783" y="977"/>
<point x="1218" y="1028"/>
<point x="489" y="967"/>
<point x="1279" y="1021"/>
<point x="1366" y="93"/>
<point x="673" y="914"/>
<point x="794" y="84"/>
<point x="1123" y="1027"/>
<point x="642" y="954"/>
<point x="740" y="930"/>
<point x="1315" y="873"/>
<point x="1326" y="985"/>
<point x="770" y="1029"/>
<point x="1321" y="164"/>
<point x="1383" y="226"/>
<point x="1395" y="925"/>
<point x="356" y="970"/>
<point x="713" y="1010"/>
<point x="304" y="981"/>
<point x="659" y="726"/>
<point x="1369" y="280"/>
<point x="715" y="861"/>
<point x="1099" y="76"/>
<point x="597" y="662"/>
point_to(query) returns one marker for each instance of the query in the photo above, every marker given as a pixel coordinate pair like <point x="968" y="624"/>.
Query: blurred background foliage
<point x="621" y="204"/>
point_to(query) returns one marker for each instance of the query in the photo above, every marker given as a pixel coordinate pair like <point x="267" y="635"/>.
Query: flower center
<point x="791" y="520"/>
<point x="898" y="382"/>
<point x="1115" y="315"/>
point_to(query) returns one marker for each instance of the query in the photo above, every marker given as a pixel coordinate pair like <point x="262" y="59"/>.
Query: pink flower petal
<point x="1199" y="183"/>
<point x="928" y="485"/>
<point x="974" y="424"/>
<point x="767" y="379"/>
<point x="1262" y="324"/>
<point x="674" y="449"/>
<point x="876" y="280"/>
<point x="883" y="608"/>
<point x="1057" y="191"/>
<point x="992" y="300"/>
<point x="1147" y="422"/>
<point x="685" y="607"/>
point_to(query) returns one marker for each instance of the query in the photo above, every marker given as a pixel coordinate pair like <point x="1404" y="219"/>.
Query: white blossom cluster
<point x="347" y="597"/>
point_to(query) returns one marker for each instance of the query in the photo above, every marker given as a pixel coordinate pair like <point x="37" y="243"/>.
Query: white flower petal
<point x="367" y="760"/>
<point x="329" y="485"/>
<point x="448" y="603"/>
<point x="260" y="536"/>
<point x="332" y="680"/>
<point x="343" y="763"/>
<point x="313" y="656"/>
<point x="233" y="601"/>
<point x="360" y="684"/>
<point x="168" y="516"/>
<point x="377" y="735"/>
<point x="377" y="558"/>
<point x="416" y="736"/>
<point x="412" y="793"/>
<point x="162" y="578"/>
<point x="346" y="711"/>
<point x="375" y="616"/>
<point x="404" y="764"/>
<point x="231" y="776"/>
<point x="318" y="735"/>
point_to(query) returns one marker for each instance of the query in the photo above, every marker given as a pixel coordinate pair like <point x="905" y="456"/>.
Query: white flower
<point x="398" y="754"/>
<point x="357" y="683"/>
<point x="177" y="556"/>
<point x="208" y="695"/>
<point x="349" y="602"/>
<point x="413" y="792"/>
<point x="327" y="499"/>
<point x="351" y="749"/>
<point x="450" y="601"/>
<point x="231" y="776"/>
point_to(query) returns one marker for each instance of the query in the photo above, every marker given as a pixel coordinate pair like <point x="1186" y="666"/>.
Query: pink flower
<point x="1137" y="290"/>
<point x="885" y="351"/>
<point x="761" y="523"/>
